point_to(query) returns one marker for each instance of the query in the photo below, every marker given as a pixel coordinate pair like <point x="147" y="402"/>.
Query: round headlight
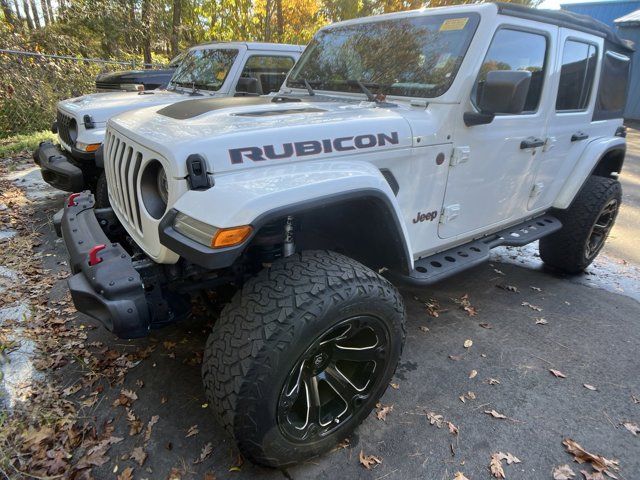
<point x="154" y="189"/>
<point x="163" y="185"/>
<point x="73" y="131"/>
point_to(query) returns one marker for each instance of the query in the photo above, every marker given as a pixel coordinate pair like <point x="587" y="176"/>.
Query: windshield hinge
<point x="460" y="155"/>
<point x="419" y="103"/>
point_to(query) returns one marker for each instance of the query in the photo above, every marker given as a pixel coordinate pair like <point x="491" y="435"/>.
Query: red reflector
<point x="72" y="197"/>
<point x="94" y="259"/>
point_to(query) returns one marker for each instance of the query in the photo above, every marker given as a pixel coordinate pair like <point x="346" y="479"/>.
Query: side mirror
<point x="503" y="91"/>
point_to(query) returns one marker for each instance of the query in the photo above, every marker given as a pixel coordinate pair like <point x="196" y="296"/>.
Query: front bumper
<point x="111" y="291"/>
<point x="56" y="168"/>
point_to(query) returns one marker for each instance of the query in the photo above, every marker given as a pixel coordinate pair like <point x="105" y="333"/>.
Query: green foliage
<point x="19" y="143"/>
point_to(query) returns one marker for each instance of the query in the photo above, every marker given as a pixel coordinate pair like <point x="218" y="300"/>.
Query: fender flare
<point x="258" y="196"/>
<point x="585" y="166"/>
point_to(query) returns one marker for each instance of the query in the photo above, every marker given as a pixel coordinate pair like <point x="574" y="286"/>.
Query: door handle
<point x="531" y="142"/>
<point x="576" y="137"/>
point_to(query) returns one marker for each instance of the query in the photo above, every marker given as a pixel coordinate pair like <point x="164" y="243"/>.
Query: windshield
<point x="413" y="57"/>
<point x="204" y="69"/>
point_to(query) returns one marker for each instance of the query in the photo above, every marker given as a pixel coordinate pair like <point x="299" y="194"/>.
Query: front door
<point x="492" y="168"/>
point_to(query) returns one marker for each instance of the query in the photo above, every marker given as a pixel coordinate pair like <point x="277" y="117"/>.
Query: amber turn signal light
<point x="228" y="237"/>
<point x="92" y="147"/>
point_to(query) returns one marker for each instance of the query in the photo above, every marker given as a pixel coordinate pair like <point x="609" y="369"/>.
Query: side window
<point x="263" y="74"/>
<point x="576" y="75"/>
<point x="516" y="50"/>
<point x="612" y="90"/>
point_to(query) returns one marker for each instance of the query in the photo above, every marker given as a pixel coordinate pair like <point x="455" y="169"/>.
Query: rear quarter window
<point x="612" y="90"/>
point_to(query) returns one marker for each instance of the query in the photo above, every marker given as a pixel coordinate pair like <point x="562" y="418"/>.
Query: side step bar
<point x="432" y="269"/>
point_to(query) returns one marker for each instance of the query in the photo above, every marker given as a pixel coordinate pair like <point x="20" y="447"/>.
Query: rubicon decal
<point x="312" y="147"/>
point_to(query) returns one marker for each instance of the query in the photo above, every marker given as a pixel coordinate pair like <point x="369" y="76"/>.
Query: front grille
<point x="122" y="167"/>
<point x="64" y="123"/>
<point x="107" y="87"/>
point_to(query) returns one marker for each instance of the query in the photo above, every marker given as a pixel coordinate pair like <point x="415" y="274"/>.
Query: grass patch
<point x="19" y="143"/>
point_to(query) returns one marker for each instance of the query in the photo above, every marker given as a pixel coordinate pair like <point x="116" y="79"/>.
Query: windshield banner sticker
<point x="312" y="147"/>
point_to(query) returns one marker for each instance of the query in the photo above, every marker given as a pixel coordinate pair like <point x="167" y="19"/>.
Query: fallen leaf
<point x="193" y="430"/>
<point x="536" y="289"/>
<point x="635" y="399"/>
<point x="456" y="358"/>
<point x="152" y="422"/>
<point x="468" y="343"/>
<point x="424" y="329"/>
<point x="139" y="455"/>
<point x="433" y="308"/>
<point x="126" y="398"/>
<point x="383" y="410"/>
<point x="169" y="345"/>
<point x="589" y="387"/>
<point x="127" y="474"/>
<point x="557" y="373"/>
<point x="465" y="304"/>
<point x="485" y="325"/>
<point x="369" y="461"/>
<point x="435" y="419"/>
<point x="495" y="466"/>
<point x="473" y="374"/>
<point x="460" y="476"/>
<point x="510" y="458"/>
<point x="508" y="288"/>
<point x="632" y="427"/>
<point x="563" y="472"/>
<point x="395" y="386"/>
<point x="204" y="453"/>
<point x="453" y="430"/>
<point x="135" y="425"/>
<point x="541" y="321"/>
<point x="495" y="414"/>
<point x="493" y="381"/>
<point x="499" y="272"/>
<point x="580" y="455"/>
<point x="209" y="476"/>
<point x="532" y="307"/>
<point x="237" y="466"/>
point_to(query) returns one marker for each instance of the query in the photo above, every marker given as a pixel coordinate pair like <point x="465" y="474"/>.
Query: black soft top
<point x="563" y="18"/>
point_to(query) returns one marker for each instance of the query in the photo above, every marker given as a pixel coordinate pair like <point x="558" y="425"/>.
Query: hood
<point x="102" y="106"/>
<point x="252" y="132"/>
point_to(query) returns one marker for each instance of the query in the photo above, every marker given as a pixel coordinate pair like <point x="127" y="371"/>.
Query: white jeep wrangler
<point x="403" y="146"/>
<point x="205" y="71"/>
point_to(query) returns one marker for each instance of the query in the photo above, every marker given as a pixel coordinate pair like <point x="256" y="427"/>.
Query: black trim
<point x="391" y="180"/>
<point x="220" y="258"/>
<point x="193" y="108"/>
<point x="564" y="18"/>
<point x="112" y="290"/>
<point x="57" y="170"/>
<point x="197" y="177"/>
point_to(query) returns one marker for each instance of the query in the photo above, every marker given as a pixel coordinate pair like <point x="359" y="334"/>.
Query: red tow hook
<point x="71" y="202"/>
<point x="94" y="259"/>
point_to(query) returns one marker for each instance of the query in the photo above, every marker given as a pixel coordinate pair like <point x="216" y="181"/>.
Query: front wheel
<point x="301" y="355"/>
<point x="586" y="224"/>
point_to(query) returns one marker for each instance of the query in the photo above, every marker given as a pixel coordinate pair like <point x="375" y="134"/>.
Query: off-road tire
<point x="566" y="249"/>
<point x="267" y="328"/>
<point x="101" y="192"/>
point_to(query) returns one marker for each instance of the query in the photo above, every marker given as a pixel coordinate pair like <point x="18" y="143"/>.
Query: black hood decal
<point x="194" y="108"/>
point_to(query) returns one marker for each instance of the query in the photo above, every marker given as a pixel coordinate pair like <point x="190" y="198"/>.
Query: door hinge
<point x="536" y="190"/>
<point x="460" y="155"/>
<point x="450" y="213"/>
<point x="549" y="143"/>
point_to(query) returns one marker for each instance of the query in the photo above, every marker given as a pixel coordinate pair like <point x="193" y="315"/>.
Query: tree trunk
<point x="8" y="14"/>
<point x="146" y="35"/>
<point x="27" y="15"/>
<point x="50" y="10"/>
<point x="279" y="20"/>
<point x="45" y="12"/>
<point x="18" y="14"/>
<point x="34" y="11"/>
<point x="175" y="27"/>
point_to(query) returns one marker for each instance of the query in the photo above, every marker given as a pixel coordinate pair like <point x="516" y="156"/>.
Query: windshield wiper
<point x="308" y="86"/>
<point x="370" y="96"/>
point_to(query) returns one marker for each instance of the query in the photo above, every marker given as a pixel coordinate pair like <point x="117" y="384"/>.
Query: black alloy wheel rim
<point x="333" y="379"/>
<point x="601" y="228"/>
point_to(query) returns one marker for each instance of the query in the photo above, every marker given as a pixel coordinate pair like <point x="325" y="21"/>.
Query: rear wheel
<point x="586" y="224"/>
<point x="302" y="354"/>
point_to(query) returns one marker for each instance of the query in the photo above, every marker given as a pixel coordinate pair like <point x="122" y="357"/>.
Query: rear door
<point x="493" y="165"/>
<point x="570" y="122"/>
